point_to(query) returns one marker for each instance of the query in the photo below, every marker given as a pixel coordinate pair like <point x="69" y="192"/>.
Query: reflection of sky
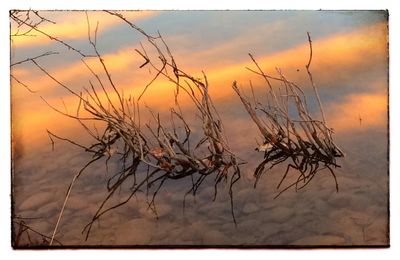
<point x="349" y="54"/>
<point x="349" y="66"/>
<point x="197" y="31"/>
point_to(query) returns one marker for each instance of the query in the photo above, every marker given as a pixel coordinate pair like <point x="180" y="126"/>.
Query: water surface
<point x="352" y="87"/>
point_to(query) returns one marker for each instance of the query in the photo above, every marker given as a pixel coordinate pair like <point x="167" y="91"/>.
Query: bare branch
<point x="306" y="142"/>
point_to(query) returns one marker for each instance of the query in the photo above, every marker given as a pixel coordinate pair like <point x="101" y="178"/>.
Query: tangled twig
<point x="152" y="154"/>
<point x="306" y="142"/>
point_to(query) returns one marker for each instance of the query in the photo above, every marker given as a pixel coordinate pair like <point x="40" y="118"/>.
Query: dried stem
<point x="167" y="149"/>
<point x="306" y="142"/>
<point x="163" y="149"/>
<point x="311" y="79"/>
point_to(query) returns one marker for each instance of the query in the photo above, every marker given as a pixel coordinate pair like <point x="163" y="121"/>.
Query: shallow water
<point x="315" y="215"/>
<point x="353" y="89"/>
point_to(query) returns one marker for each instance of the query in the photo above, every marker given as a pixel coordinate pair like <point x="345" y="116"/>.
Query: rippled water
<point x="316" y="215"/>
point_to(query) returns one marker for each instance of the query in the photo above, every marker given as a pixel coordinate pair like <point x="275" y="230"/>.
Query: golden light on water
<point x="349" y="66"/>
<point x="72" y="25"/>
<point x="360" y="112"/>
<point x="337" y="56"/>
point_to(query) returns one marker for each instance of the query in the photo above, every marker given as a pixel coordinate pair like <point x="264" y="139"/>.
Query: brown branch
<point x="35" y="28"/>
<point x="36" y="57"/>
<point x="305" y="141"/>
<point x="312" y="81"/>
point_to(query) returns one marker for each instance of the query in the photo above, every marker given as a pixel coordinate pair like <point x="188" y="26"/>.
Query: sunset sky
<point x="349" y="59"/>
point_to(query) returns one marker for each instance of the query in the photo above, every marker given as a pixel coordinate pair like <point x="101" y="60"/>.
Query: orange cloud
<point x="116" y="63"/>
<point x="332" y="56"/>
<point x="335" y="55"/>
<point x="72" y="25"/>
<point x="359" y="112"/>
<point x="334" y="59"/>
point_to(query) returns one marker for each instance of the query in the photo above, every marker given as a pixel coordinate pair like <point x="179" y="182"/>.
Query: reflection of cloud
<point x="259" y="32"/>
<point x="228" y="51"/>
<point x="339" y="58"/>
<point x="119" y="62"/>
<point x="336" y="56"/>
<point x="339" y="61"/>
<point x="359" y="112"/>
<point x="73" y="25"/>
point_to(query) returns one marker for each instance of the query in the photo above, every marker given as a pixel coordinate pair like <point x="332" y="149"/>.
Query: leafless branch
<point x="306" y="142"/>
